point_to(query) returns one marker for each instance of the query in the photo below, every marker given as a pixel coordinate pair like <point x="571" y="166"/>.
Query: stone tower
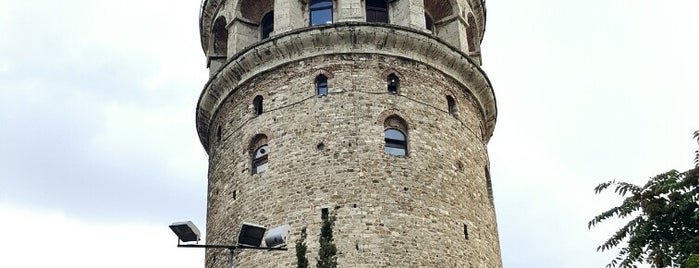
<point x="375" y="111"/>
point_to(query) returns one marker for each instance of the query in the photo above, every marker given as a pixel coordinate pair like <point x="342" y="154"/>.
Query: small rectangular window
<point x="324" y="214"/>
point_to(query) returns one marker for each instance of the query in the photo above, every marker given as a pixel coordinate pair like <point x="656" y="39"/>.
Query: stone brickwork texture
<point x="431" y="208"/>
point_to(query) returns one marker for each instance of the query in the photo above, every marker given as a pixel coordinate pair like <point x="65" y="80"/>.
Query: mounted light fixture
<point x="186" y="231"/>
<point x="250" y="237"/>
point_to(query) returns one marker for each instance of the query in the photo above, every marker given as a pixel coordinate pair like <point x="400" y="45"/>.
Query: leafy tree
<point x="664" y="230"/>
<point x="692" y="262"/>
<point x="301" y="260"/>
<point x="327" y="253"/>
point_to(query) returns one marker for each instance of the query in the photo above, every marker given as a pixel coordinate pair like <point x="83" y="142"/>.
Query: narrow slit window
<point x="218" y="134"/>
<point x="324" y="213"/>
<point x="259" y="161"/>
<point x="451" y="105"/>
<point x="466" y="231"/>
<point x="392" y="83"/>
<point x="257" y="103"/>
<point x="396" y="142"/>
<point x="267" y="25"/>
<point x="321" y="85"/>
<point x="377" y="11"/>
<point x="321" y="12"/>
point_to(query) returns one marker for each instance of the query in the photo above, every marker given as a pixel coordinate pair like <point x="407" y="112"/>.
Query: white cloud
<point x="51" y="239"/>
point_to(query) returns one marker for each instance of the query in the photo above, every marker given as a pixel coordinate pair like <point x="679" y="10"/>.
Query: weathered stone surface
<point x="328" y="152"/>
<point x="399" y="211"/>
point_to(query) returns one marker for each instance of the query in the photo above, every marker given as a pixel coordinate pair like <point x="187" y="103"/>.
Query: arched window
<point x="260" y="152"/>
<point x="259" y="161"/>
<point x="321" y="85"/>
<point x="395" y="136"/>
<point x="392" y="83"/>
<point x="396" y="143"/>
<point x="451" y="105"/>
<point x="257" y="103"/>
<point x="267" y="25"/>
<point x="377" y="11"/>
<point x="429" y="23"/>
<point x="220" y="37"/>
<point x="321" y="12"/>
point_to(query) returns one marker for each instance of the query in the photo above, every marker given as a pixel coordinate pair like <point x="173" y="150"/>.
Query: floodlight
<point x="277" y="236"/>
<point x="186" y="231"/>
<point x="251" y="235"/>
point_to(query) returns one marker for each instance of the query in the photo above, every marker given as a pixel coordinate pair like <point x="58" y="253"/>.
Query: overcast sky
<point x="99" y="153"/>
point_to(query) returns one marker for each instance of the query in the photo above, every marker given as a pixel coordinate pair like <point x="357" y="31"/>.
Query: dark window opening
<point x="429" y="23"/>
<point x="377" y="11"/>
<point x="259" y="161"/>
<point x="396" y="143"/>
<point x="392" y="83"/>
<point x="321" y="12"/>
<point x="321" y="85"/>
<point x="324" y="213"/>
<point x="451" y="105"/>
<point x="235" y="194"/>
<point x="220" y="37"/>
<point x="257" y="103"/>
<point x="267" y="25"/>
<point x="465" y="231"/>
<point x="219" y="132"/>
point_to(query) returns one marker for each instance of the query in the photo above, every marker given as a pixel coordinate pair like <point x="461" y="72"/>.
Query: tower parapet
<point x="379" y="108"/>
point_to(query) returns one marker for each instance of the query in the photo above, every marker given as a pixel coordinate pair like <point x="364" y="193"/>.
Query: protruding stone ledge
<point x="344" y="38"/>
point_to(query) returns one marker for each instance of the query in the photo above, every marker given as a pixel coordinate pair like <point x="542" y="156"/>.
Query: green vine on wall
<point x="301" y="260"/>
<point x="327" y="253"/>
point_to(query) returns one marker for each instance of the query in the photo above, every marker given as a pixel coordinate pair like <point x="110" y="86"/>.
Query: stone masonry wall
<point x="393" y="211"/>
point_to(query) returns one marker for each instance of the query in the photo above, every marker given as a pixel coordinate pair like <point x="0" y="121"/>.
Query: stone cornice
<point x="344" y="38"/>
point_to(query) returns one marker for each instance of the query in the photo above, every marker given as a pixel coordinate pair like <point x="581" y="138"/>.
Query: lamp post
<point x="250" y="237"/>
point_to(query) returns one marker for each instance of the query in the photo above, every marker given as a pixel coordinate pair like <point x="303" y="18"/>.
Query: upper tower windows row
<point x="250" y="21"/>
<point x="321" y="86"/>
<point x="321" y="83"/>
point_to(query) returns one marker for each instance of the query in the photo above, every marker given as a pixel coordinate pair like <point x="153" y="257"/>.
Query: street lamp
<point x="250" y="237"/>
